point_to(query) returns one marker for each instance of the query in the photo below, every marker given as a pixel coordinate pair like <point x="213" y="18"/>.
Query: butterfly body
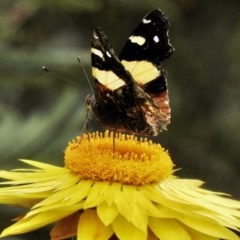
<point x="130" y="91"/>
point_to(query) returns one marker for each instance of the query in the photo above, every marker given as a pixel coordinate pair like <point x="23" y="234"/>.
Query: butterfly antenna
<point x="85" y="73"/>
<point x="60" y="77"/>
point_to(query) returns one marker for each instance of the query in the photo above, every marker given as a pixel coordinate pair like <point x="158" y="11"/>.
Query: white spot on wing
<point x="156" y="39"/>
<point x="137" y="39"/>
<point x="108" y="54"/>
<point x="146" y="21"/>
<point x="98" y="53"/>
<point x="95" y="35"/>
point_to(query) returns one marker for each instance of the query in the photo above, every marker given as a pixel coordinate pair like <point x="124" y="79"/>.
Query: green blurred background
<point x="40" y="113"/>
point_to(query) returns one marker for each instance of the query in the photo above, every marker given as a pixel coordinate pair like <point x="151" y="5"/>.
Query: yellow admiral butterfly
<point x="130" y="90"/>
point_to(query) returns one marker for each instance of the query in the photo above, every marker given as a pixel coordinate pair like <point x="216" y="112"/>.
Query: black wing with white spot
<point x="149" y="41"/>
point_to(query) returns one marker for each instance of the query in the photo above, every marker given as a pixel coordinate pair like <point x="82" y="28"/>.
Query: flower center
<point x="121" y="158"/>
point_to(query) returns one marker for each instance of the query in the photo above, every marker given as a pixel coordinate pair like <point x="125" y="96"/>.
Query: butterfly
<point x="130" y="90"/>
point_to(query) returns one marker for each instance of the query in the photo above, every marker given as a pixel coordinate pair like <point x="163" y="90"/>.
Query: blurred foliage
<point x="40" y="113"/>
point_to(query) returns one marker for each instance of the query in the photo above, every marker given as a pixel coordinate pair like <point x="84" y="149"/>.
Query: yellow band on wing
<point x="141" y="71"/>
<point x="108" y="79"/>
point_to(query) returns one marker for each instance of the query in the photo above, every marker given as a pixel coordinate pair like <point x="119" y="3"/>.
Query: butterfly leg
<point x="85" y="125"/>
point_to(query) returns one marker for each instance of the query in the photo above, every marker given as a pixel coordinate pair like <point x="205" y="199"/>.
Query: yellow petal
<point x="80" y="192"/>
<point x="126" y="230"/>
<point x="30" y="223"/>
<point x="20" y="174"/>
<point x="57" y="207"/>
<point x="107" y="213"/>
<point x="127" y="205"/>
<point x="146" y="204"/>
<point x="209" y="228"/>
<point x="135" y="212"/>
<point x="154" y="193"/>
<point x="17" y="200"/>
<point x="124" y="205"/>
<point x="94" y="196"/>
<point x="109" y="191"/>
<point x="199" y="236"/>
<point x="91" y="228"/>
<point x="69" y="196"/>
<point x="166" y="229"/>
<point x="41" y="165"/>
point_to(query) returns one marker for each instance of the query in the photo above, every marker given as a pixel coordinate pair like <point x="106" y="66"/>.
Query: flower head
<point x="118" y="187"/>
<point x="127" y="160"/>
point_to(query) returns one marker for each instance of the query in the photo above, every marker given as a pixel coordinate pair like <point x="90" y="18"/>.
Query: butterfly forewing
<point x="143" y="53"/>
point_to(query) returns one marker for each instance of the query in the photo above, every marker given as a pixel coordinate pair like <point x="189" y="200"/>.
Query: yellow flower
<point x="117" y="188"/>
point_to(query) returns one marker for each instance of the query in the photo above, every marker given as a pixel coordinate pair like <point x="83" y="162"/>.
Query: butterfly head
<point x="89" y="100"/>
